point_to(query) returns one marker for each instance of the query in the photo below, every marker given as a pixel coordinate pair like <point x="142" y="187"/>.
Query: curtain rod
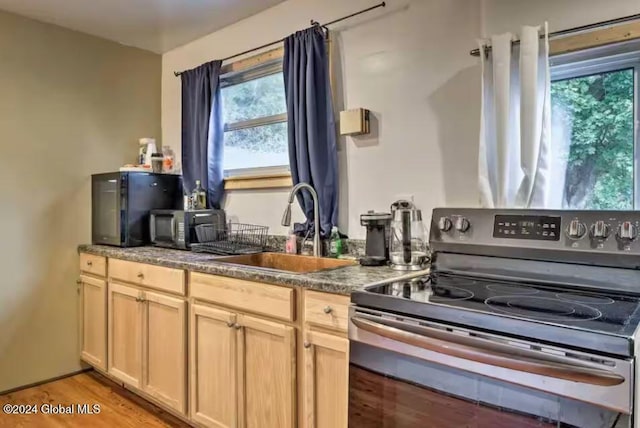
<point x="313" y="24"/>
<point x="476" y="52"/>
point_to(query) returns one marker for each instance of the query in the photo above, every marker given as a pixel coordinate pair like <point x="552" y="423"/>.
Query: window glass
<point x="593" y="117"/>
<point x="257" y="147"/>
<point x="254" y="99"/>
<point x="255" y="121"/>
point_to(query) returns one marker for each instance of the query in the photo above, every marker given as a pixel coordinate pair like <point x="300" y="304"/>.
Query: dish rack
<point x="230" y="238"/>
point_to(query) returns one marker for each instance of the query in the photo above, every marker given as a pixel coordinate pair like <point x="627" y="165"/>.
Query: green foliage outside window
<point x="598" y="112"/>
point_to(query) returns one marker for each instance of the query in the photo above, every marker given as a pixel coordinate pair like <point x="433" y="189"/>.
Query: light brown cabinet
<point x="147" y="343"/>
<point x="213" y="353"/>
<point x="125" y="334"/>
<point x="93" y="325"/>
<point x="242" y="370"/>
<point x="164" y="349"/>
<point x="326" y="380"/>
<point x="267" y="373"/>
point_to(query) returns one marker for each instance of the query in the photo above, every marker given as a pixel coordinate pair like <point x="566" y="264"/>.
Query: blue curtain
<point x="312" y="133"/>
<point x="202" y="131"/>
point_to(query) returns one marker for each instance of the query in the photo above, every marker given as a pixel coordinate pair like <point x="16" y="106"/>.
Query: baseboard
<point x="53" y="379"/>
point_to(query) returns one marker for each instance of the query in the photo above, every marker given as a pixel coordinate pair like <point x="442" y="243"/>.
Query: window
<point x="255" y="121"/>
<point x="594" y="97"/>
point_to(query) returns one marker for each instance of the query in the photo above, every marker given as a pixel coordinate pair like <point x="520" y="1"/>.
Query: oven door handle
<point x="452" y="347"/>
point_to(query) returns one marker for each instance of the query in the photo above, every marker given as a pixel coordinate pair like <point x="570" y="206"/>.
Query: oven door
<point x="412" y="373"/>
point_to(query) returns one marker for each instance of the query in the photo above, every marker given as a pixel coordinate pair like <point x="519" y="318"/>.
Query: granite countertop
<point x="342" y="280"/>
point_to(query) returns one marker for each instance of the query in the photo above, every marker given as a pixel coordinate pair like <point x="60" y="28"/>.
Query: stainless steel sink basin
<point x="286" y="262"/>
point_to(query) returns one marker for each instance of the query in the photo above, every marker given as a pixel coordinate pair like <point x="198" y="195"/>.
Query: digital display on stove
<point x="542" y="228"/>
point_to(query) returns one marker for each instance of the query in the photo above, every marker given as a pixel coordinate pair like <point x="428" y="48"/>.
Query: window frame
<point x="275" y="174"/>
<point x="603" y="59"/>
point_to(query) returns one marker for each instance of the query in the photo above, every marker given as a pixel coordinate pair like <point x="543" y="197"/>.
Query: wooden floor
<point x="118" y="407"/>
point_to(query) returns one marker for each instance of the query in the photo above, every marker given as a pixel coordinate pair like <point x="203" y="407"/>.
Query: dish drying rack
<point x="230" y="238"/>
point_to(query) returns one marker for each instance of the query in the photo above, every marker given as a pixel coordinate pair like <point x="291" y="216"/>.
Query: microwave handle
<point x="174" y="233"/>
<point x="152" y="223"/>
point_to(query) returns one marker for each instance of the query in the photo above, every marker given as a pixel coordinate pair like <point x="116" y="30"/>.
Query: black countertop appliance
<point x="121" y="203"/>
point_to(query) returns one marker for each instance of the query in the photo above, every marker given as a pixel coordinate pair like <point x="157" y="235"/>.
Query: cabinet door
<point x="164" y="349"/>
<point x="93" y="321"/>
<point x="326" y="380"/>
<point x="125" y="333"/>
<point x="213" y="367"/>
<point x="267" y="376"/>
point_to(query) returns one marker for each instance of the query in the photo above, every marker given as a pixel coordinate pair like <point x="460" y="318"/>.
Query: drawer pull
<point x="89" y="263"/>
<point x="141" y="275"/>
<point x="307" y="345"/>
<point x="328" y="309"/>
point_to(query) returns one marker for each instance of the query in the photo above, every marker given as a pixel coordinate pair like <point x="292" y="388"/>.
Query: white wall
<point x="70" y="105"/>
<point x="507" y="15"/>
<point x="408" y="64"/>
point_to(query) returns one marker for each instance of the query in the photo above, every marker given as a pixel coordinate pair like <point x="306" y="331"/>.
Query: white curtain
<point x="515" y="132"/>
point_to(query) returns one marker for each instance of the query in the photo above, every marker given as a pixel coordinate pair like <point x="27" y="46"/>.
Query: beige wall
<point x="409" y="64"/>
<point x="70" y="105"/>
<point x="508" y="15"/>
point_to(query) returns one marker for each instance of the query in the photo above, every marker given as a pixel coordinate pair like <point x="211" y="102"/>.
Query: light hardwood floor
<point x="118" y="407"/>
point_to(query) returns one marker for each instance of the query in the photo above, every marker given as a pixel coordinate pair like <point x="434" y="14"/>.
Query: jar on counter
<point x="169" y="156"/>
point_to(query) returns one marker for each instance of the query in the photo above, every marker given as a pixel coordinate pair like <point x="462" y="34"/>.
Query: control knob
<point x="600" y="230"/>
<point x="627" y="231"/>
<point x="576" y="229"/>
<point x="462" y="224"/>
<point x="444" y="224"/>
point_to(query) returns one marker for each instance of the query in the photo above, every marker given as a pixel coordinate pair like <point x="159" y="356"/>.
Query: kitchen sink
<point x="286" y="262"/>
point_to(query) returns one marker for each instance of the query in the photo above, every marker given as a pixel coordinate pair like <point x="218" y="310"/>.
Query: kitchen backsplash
<point x="352" y="247"/>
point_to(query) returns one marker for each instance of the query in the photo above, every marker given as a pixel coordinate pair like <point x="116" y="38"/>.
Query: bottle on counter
<point x="291" y="246"/>
<point x="199" y="196"/>
<point x="335" y="243"/>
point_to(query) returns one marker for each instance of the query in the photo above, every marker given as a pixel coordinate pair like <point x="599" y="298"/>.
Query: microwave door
<point x="106" y="217"/>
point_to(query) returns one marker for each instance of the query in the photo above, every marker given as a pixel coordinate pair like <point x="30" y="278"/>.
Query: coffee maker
<point x="377" y="244"/>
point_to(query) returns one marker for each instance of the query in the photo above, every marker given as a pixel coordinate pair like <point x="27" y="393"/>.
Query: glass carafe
<point x="408" y="246"/>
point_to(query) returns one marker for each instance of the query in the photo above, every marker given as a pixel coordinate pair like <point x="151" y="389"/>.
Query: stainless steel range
<point x="528" y="318"/>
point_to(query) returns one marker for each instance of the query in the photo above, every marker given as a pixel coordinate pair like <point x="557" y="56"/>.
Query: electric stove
<point x="522" y="308"/>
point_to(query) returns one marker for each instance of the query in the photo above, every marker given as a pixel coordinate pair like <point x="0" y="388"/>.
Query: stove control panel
<point x="543" y="228"/>
<point x="587" y="233"/>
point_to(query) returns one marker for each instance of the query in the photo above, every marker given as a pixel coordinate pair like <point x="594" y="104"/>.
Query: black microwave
<point x="177" y="228"/>
<point x="122" y="201"/>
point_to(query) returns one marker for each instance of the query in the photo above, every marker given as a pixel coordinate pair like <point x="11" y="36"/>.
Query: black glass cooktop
<point x="593" y="311"/>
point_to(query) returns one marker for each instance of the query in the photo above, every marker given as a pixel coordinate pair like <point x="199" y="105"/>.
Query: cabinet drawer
<point x="158" y="277"/>
<point x="271" y="300"/>
<point x="326" y="310"/>
<point x="96" y="265"/>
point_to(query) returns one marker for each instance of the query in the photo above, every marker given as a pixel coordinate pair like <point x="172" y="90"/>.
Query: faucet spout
<point x="286" y="218"/>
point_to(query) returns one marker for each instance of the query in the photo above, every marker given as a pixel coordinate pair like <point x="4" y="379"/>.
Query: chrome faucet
<point x="286" y="217"/>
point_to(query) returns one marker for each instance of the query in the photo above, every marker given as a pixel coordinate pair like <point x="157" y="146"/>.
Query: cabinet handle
<point x="230" y="324"/>
<point x="307" y="345"/>
<point x="237" y="326"/>
<point x="78" y="281"/>
<point x="141" y="275"/>
<point x="328" y="309"/>
<point x="138" y="299"/>
<point x="89" y="263"/>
